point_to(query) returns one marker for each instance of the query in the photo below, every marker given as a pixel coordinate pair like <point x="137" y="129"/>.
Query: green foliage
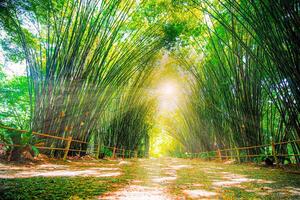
<point x="107" y="152"/>
<point x="14" y="102"/>
<point x="74" y="77"/>
<point x="15" y="111"/>
<point x="242" y="95"/>
<point x="87" y="63"/>
<point x="35" y="150"/>
<point x="172" y="33"/>
<point x="5" y="137"/>
<point x="12" y="52"/>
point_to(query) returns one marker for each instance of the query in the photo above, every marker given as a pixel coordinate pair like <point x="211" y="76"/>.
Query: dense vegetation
<point x="89" y="64"/>
<point x="246" y="77"/>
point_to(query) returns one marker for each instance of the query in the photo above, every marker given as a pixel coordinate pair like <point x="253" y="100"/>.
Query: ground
<point x="164" y="178"/>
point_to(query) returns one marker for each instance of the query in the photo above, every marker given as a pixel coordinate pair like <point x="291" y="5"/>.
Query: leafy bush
<point x="106" y="151"/>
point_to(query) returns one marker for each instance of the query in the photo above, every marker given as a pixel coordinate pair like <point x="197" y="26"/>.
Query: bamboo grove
<point x="88" y="63"/>
<point x="246" y="85"/>
<point x="86" y="56"/>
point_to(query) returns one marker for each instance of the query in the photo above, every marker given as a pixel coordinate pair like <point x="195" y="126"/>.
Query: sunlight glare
<point x="168" y="95"/>
<point x="168" y="89"/>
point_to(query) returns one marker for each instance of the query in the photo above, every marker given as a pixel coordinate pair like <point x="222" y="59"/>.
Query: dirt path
<point x="171" y="178"/>
<point x="157" y="179"/>
<point x="150" y="182"/>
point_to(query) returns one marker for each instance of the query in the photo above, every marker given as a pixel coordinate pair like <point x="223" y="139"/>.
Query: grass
<point x="66" y="187"/>
<point x="214" y="179"/>
<point x="259" y="182"/>
<point x="56" y="188"/>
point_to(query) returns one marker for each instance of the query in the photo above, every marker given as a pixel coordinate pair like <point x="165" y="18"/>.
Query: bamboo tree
<point x="84" y="55"/>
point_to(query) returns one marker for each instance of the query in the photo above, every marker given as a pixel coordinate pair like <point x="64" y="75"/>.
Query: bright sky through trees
<point x="168" y="83"/>
<point x="168" y="96"/>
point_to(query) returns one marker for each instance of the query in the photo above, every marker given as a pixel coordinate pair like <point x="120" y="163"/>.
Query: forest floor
<point x="164" y="178"/>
